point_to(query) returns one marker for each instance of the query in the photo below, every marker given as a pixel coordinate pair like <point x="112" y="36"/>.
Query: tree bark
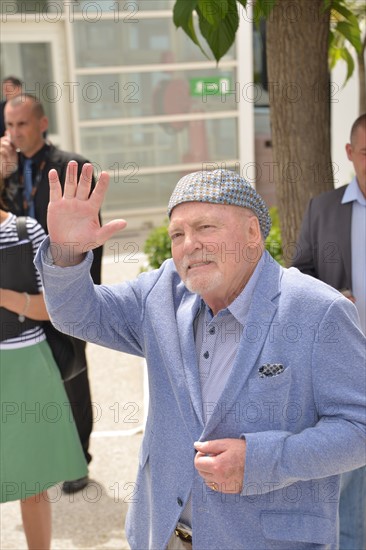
<point x="362" y="78"/>
<point x="299" y="86"/>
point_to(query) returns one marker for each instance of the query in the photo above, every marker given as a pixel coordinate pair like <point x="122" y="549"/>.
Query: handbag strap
<point x="22" y="228"/>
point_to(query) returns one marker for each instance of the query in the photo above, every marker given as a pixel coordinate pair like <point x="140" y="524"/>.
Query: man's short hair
<point x="14" y="80"/>
<point x="37" y="105"/>
<point x="360" y="121"/>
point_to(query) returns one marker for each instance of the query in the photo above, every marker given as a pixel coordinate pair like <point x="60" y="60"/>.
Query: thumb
<point x="109" y="229"/>
<point x="216" y="446"/>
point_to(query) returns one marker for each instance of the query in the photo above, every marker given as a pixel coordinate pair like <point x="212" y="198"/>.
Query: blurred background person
<point x="39" y="444"/>
<point x="26" y="158"/>
<point x="11" y="87"/>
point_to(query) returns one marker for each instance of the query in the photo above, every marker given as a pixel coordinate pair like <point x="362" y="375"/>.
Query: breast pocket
<point x="270" y="383"/>
<point x="268" y="402"/>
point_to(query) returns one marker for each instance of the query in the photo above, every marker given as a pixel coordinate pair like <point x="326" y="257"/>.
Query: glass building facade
<point x="125" y="88"/>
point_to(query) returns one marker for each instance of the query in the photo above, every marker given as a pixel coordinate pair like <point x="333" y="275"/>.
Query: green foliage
<point x="183" y="17"/>
<point x="157" y="244"/>
<point x="347" y="16"/>
<point x="218" y="30"/>
<point x="274" y="240"/>
<point x="218" y="22"/>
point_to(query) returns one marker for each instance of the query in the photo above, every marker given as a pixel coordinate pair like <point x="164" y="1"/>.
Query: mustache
<point x="203" y="257"/>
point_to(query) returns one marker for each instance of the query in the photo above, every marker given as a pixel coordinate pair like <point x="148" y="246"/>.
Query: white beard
<point x="201" y="284"/>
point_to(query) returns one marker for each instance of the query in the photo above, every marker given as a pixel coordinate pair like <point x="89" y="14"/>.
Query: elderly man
<point x="256" y="401"/>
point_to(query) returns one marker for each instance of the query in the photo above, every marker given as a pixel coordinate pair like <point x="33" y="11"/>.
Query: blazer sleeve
<point x="108" y="316"/>
<point x="336" y="443"/>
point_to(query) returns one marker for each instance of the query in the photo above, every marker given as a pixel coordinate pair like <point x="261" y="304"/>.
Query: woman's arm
<point x="22" y="303"/>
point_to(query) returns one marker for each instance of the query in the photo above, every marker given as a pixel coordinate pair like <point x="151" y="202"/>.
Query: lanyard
<point x="37" y="180"/>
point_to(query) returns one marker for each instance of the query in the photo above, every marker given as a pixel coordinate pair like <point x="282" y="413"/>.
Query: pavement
<point x="94" y="518"/>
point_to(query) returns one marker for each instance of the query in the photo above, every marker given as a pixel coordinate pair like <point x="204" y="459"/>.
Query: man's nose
<point x="191" y="243"/>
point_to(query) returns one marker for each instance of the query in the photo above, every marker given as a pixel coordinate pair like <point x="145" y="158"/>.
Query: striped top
<point x="9" y="236"/>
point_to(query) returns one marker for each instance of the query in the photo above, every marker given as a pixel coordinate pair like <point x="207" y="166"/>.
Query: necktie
<point x="28" y="187"/>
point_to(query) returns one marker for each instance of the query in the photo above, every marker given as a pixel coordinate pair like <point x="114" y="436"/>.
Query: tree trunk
<point x="362" y="78"/>
<point x="299" y="86"/>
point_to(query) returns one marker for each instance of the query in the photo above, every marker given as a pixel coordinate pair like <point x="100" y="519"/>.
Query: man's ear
<point x="44" y="124"/>
<point x="255" y="234"/>
<point x="349" y="151"/>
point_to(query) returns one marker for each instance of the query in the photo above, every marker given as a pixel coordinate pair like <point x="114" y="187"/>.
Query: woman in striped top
<point x="39" y="445"/>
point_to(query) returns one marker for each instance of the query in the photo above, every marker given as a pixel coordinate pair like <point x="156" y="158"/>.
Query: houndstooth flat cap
<point x="221" y="187"/>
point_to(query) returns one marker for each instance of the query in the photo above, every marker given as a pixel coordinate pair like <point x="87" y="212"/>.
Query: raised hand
<point x="72" y="218"/>
<point x="8" y="157"/>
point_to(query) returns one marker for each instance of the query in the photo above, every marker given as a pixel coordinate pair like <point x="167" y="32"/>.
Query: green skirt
<point x="39" y="444"/>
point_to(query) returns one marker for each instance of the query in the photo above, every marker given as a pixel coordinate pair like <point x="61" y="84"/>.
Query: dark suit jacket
<point x="52" y="158"/>
<point x="2" y="118"/>
<point x="324" y="245"/>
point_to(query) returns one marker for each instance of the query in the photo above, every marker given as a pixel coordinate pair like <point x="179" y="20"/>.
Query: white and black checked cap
<point x="221" y="187"/>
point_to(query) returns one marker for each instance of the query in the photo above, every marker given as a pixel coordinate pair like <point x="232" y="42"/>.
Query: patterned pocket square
<point x="270" y="369"/>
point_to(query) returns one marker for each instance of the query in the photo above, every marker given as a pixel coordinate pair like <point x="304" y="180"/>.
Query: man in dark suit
<point x="12" y="87"/>
<point x="25" y="152"/>
<point x="332" y="248"/>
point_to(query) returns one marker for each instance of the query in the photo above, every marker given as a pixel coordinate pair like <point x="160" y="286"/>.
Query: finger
<point x="215" y="446"/>
<point x="55" y="186"/>
<point x="110" y="229"/>
<point x="205" y="465"/>
<point x="71" y="180"/>
<point x="7" y="148"/>
<point x="207" y="477"/>
<point x="83" y="188"/>
<point x="201" y="456"/>
<point x="105" y="233"/>
<point x="213" y="485"/>
<point x="98" y="194"/>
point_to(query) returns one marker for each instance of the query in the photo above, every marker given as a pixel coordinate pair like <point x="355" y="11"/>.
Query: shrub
<point x="274" y="239"/>
<point x="157" y="244"/>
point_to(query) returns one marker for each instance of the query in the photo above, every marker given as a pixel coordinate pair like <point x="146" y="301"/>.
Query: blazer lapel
<point x="261" y="313"/>
<point x="177" y="350"/>
<point x="186" y="314"/>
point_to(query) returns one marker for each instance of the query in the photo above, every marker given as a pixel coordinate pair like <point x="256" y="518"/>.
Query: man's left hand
<point x="221" y="464"/>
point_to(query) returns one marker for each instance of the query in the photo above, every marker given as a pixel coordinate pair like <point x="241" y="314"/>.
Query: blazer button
<point x="180" y="501"/>
<point x="206" y="355"/>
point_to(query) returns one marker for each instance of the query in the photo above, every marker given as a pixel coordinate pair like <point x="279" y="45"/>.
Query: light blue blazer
<point x="303" y="427"/>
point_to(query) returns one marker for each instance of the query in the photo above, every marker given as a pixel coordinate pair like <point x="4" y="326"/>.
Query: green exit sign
<point x="210" y="85"/>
